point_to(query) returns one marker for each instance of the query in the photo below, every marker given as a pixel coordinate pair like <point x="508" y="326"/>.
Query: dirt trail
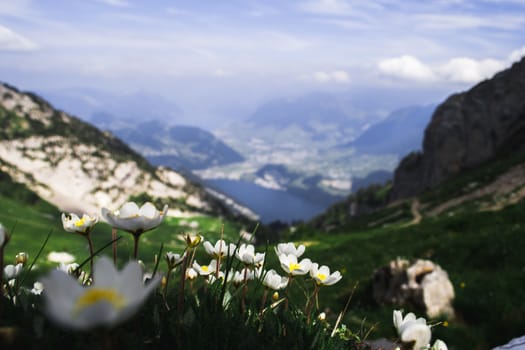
<point x="414" y="209"/>
<point x="502" y="190"/>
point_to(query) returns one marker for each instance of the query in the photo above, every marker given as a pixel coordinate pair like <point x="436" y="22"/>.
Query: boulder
<point x="422" y="284"/>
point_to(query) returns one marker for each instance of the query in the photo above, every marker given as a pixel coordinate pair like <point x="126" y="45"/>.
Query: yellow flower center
<point x="80" y="222"/>
<point x="204" y="268"/>
<point x="294" y="266"/>
<point x="96" y="295"/>
<point x="321" y="276"/>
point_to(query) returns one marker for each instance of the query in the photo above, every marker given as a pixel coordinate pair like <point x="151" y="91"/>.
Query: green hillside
<point x="480" y="250"/>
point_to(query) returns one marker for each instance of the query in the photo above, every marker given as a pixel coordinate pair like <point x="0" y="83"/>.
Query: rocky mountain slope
<point x="467" y="130"/>
<point x="76" y="167"/>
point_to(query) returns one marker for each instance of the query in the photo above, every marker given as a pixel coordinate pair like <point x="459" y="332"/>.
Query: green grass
<point x="482" y="251"/>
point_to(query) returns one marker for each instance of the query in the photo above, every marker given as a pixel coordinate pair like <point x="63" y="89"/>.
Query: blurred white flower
<point x="417" y="333"/>
<point x="274" y="281"/>
<point x="439" y="345"/>
<point x="60" y="257"/>
<point x="291" y="266"/>
<point x="135" y="220"/>
<point x="72" y="223"/>
<point x="412" y="330"/>
<point x="246" y="254"/>
<point x="289" y="248"/>
<point x="221" y="249"/>
<point x="205" y="270"/>
<point x="322" y="275"/>
<point x="113" y="298"/>
<point x="12" y="271"/>
<point x="191" y="274"/>
<point x="38" y="287"/>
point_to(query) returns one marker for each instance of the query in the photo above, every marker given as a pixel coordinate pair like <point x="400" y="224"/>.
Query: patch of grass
<point x="483" y="252"/>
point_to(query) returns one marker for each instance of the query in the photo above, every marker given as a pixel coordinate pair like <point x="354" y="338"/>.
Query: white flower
<point x="205" y="270"/>
<point x="274" y="281"/>
<point x="246" y="254"/>
<point x="114" y="297"/>
<point x="289" y="248"/>
<point x="133" y="219"/>
<point x="72" y="223"/>
<point x="221" y="249"/>
<point x="292" y="267"/>
<point x="12" y="271"/>
<point x="417" y="333"/>
<point x="60" y="257"/>
<point x="322" y="275"/>
<point x="439" y="345"/>
<point x="174" y="260"/>
<point x="191" y="274"/>
<point x="38" y="287"/>
<point x="412" y="330"/>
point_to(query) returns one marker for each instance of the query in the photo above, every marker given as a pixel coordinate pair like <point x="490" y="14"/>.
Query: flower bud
<point x="174" y="260"/>
<point x="21" y="258"/>
<point x="322" y="316"/>
<point x="192" y="241"/>
<point x="275" y="296"/>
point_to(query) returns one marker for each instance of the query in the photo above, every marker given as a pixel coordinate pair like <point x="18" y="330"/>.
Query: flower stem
<point x="1" y="272"/>
<point x="180" y="301"/>
<point x="90" y="244"/>
<point x="310" y="303"/>
<point x="244" y="289"/>
<point x="135" y="246"/>
<point x="114" y="239"/>
<point x="264" y="297"/>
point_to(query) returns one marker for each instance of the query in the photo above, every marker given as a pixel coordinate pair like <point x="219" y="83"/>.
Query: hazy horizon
<point x="218" y="61"/>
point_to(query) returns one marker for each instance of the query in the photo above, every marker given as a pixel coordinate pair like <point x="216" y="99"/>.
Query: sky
<point x="218" y="59"/>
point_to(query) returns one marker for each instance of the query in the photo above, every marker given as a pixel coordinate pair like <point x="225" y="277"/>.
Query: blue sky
<point x="222" y="57"/>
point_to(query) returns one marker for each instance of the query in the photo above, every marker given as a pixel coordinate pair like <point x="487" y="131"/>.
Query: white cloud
<point x="116" y="3"/>
<point x="11" y="41"/>
<point x="517" y="55"/>
<point x="468" y="70"/>
<point x="326" y="7"/>
<point x="407" y="67"/>
<point x="337" y="76"/>
<point x="219" y="72"/>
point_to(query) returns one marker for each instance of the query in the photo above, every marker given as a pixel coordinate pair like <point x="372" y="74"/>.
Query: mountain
<point x="77" y="167"/>
<point x="399" y="133"/>
<point x="468" y="129"/>
<point x="178" y="147"/>
<point x="90" y="104"/>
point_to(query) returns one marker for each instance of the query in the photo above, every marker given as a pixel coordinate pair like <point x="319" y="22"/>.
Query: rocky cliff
<point x="467" y="130"/>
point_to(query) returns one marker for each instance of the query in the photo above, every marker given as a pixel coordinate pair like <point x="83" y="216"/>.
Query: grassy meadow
<point x="481" y="251"/>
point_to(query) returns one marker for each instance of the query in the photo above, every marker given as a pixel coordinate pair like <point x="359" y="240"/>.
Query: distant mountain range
<point x="399" y="133"/>
<point x="148" y="123"/>
<point x="77" y="167"/>
<point x="178" y="147"/>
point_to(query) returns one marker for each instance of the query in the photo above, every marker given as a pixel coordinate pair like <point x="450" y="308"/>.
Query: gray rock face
<point x="422" y="284"/>
<point x="466" y="130"/>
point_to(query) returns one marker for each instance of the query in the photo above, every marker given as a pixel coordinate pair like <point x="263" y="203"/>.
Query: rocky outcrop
<point x="466" y="130"/>
<point x="422" y="284"/>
